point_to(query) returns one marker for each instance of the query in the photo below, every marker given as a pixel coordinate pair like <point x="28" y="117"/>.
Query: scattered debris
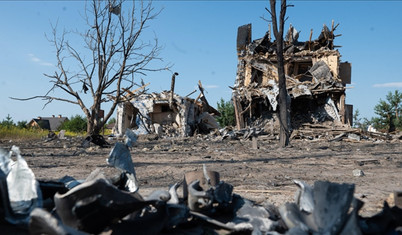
<point x="61" y="134"/>
<point x="353" y="136"/>
<point x="328" y="214"/>
<point x="366" y="162"/>
<point x="96" y="139"/>
<point x="246" y="133"/>
<point x="51" y="136"/>
<point x="207" y="205"/>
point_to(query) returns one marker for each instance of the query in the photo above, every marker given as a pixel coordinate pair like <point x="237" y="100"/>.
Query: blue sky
<point x="199" y="39"/>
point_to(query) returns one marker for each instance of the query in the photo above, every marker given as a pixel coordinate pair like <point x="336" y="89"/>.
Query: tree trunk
<point x="94" y="127"/>
<point x="283" y="104"/>
<point x="90" y="126"/>
<point x="94" y="123"/>
<point x="283" y="101"/>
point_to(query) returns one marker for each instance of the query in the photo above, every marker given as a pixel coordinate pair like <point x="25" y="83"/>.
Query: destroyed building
<point x="315" y="80"/>
<point x="166" y="114"/>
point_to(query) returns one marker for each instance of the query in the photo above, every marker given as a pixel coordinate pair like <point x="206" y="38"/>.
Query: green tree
<point x="22" y="124"/>
<point x="356" y="118"/>
<point x="111" y="121"/>
<point x="8" y="122"/>
<point x="389" y="112"/>
<point x="358" y="122"/>
<point x="227" y="117"/>
<point x="75" y="124"/>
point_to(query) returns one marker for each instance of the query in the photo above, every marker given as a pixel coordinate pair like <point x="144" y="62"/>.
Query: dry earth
<point x="263" y="174"/>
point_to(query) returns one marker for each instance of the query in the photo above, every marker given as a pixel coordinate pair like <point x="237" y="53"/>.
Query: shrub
<point x="22" y="124"/>
<point x="75" y="124"/>
<point x="227" y="117"/>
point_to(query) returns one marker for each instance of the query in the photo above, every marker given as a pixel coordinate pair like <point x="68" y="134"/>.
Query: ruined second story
<point x="315" y="79"/>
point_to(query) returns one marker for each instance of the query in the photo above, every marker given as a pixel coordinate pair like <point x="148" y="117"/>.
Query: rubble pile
<point x="166" y="114"/>
<point x="315" y="80"/>
<point x="310" y="132"/>
<point x="205" y="204"/>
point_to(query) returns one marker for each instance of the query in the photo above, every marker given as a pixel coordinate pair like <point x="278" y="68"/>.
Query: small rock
<point x="156" y="147"/>
<point x="353" y="136"/>
<point x="358" y="172"/>
<point x="391" y="199"/>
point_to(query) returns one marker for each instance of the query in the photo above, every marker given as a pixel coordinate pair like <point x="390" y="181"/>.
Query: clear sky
<point x="199" y="39"/>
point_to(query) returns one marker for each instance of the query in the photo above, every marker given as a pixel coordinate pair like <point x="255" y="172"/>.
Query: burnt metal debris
<point x="20" y="192"/>
<point x="206" y="205"/>
<point x="316" y="82"/>
<point x="120" y="158"/>
<point x="96" y="139"/>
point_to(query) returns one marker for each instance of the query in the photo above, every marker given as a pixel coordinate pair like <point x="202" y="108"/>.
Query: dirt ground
<point x="263" y="174"/>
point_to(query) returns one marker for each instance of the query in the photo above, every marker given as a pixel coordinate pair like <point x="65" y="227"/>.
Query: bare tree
<point x="283" y="101"/>
<point x="117" y="54"/>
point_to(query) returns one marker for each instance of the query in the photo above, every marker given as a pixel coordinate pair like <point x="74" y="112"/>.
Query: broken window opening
<point x="166" y="108"/>
<point x="301" y="71"/>
<point x="318" y="110"/>
<point x="256" y="76"/>
<point x="130" y="117"/>
<point x="163" y="114"/>
<point x="257" y="111"/>
<point x="301" y="111"/>
<point x="132" y="123"/>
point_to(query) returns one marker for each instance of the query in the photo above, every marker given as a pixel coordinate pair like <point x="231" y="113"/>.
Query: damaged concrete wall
<point x="152" y="113"/>
<point x="315" y="80"/>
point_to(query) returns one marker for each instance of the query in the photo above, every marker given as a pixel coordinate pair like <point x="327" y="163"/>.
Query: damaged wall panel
<point x="315" y="79"/>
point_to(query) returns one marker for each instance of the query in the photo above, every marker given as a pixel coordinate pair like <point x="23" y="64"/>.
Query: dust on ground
<point x="263" y="174"/>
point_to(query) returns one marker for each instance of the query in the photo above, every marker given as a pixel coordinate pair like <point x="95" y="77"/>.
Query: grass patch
<point x="83" y="133"/>
<point x="16" y="133"/>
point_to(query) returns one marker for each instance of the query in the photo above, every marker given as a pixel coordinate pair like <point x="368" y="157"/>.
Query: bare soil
<point x="263" y="174"/>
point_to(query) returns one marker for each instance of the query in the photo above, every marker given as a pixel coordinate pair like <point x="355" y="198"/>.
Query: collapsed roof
<point x="315" y="79"/>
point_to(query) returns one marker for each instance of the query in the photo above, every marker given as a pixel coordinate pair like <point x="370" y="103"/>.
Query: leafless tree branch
<point x="113" y="54"/>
